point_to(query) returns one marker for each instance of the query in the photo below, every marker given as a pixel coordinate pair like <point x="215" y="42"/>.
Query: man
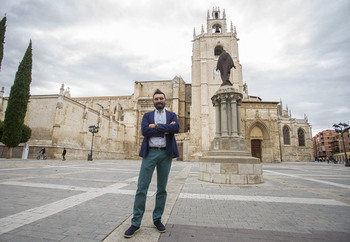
<point x="42" y="152"/>
<point x="64" y="154"/>
<point x="157" y="149"/>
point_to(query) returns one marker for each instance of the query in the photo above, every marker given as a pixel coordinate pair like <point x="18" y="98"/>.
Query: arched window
<point x="286" y="135"/>
<point x="218" y="49"/>
<point x="301" y="137"/>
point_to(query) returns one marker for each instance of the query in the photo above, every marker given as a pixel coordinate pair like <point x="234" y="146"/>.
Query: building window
<point x="301" y="137"/>
<point x="216" y="29"/>
<point x="286" y="135"/>
<point x="218" y="49"/>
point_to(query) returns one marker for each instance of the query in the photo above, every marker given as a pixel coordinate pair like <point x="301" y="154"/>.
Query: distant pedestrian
<point x="64" y="154"/>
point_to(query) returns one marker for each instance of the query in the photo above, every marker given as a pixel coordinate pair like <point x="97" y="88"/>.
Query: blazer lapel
<point x="167" y="114"/>
<point x="152" y="117"/>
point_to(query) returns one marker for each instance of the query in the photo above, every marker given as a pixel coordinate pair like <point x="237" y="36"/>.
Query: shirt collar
<point x="163" y="111"/>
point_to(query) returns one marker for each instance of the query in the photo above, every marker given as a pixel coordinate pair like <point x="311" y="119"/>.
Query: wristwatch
<point x="156" y="126"/>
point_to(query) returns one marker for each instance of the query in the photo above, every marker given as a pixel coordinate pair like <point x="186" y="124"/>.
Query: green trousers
<point x="161" y="160"/>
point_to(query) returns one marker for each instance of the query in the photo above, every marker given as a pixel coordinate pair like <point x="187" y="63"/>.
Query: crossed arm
<point x="158" y="130"/>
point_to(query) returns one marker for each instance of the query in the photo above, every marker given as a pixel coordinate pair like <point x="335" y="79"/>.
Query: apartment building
<point x="323" y="143"/>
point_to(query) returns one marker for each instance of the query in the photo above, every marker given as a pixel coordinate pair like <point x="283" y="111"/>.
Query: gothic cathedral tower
<point x="207" y="46"/>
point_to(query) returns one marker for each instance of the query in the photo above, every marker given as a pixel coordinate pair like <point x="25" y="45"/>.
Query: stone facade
<point x="260" y="125"/>
<point x="58" y="122"/>
<point x="61" y="121"/>
<point x="300" y="147"/>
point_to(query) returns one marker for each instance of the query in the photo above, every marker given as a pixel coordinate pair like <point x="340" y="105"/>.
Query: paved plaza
<point x="92" y="201"/>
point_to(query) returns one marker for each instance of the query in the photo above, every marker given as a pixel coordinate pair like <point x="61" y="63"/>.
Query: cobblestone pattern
<point x="315" y="207"/>
<point x="84" y="201"/>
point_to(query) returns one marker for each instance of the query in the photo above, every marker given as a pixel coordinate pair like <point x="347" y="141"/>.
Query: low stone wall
<point x="231" y="173"/>
<point x="56" y="153"/>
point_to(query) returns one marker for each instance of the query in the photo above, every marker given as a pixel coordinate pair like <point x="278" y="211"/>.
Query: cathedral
<point x="271" y="133"/>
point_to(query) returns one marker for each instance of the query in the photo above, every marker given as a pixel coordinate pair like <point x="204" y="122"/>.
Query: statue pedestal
<point x="228" y="161"/>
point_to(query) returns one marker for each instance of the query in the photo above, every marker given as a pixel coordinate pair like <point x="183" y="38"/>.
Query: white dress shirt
<point x="159" y="118"/>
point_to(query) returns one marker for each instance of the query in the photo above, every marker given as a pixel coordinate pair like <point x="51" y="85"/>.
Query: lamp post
<point x="343" y="128"/>
<point x="93" y="129"/>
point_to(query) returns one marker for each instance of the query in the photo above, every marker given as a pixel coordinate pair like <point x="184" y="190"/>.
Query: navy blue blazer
<point x="147" y="132"/>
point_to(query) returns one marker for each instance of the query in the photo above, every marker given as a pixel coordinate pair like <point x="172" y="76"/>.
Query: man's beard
<point x="159" y="106"/>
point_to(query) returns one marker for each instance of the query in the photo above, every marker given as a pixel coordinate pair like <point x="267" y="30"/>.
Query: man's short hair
<point x="158" y="92"/>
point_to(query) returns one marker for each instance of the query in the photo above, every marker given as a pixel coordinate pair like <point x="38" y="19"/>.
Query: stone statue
<point x="225" y="63"/>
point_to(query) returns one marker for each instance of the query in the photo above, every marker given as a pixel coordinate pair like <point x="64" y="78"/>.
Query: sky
<point x="297" y="51"/>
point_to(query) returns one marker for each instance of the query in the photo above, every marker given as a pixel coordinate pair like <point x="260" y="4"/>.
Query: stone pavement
<point x="92" y="201"/>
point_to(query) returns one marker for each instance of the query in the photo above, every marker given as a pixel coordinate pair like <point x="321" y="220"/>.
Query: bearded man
<point x="158" y="149"/>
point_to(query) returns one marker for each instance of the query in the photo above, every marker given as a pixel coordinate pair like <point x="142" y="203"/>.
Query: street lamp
<point x="343" y="128"/>
<point x="93" y="129"/>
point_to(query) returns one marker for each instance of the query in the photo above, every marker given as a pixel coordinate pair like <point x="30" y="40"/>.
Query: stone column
<point x="223" y="117"/>
<point x="234" y="118"/>
<point x="229" y="116"/>
<point x="216" y="103"/>
<point x="239" y="118"/>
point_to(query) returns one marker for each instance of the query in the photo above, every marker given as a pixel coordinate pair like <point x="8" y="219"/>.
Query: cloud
<point x="295" y="50"/>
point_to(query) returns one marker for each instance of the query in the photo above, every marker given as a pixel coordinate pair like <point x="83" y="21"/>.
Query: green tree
<point x="2" y="38"/>
<point x="26" y="132"/>
<point x="1" y="128"/>
<point x="17" y="103"/>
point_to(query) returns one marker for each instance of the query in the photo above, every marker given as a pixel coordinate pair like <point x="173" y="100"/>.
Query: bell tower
<point x="206" y="48"/>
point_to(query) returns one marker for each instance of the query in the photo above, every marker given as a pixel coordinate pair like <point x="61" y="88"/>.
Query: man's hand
<point x="170" y="123"/>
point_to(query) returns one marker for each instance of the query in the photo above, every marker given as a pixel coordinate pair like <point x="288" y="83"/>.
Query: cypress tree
<point x="26" y="132"/>
<point x="2" y="38"/>
<point x="1" y="128"/>
<point x="17" y="103"/>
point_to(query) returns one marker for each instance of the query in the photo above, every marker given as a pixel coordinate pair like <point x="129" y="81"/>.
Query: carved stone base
<point x="229" y="162"/>
<point x="231" y="143"/>
<point x="230" y="157"/>
<point x="241" y="173"/>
